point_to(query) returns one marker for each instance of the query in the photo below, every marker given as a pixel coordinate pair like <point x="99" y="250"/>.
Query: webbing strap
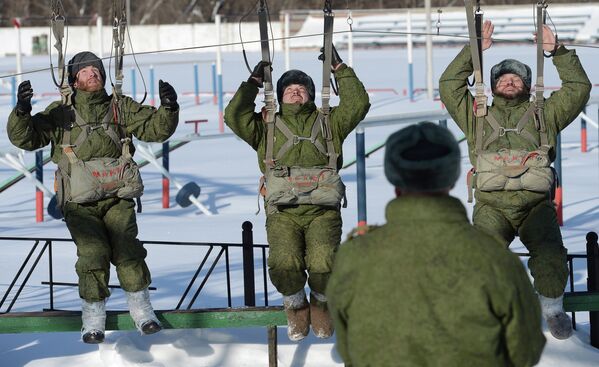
<point x="480" y="99"/>
<point x="499" y="130"/>
<point x="326" y="64"/>
<point x="57" y="23"/>
<point x="539" y="86"/>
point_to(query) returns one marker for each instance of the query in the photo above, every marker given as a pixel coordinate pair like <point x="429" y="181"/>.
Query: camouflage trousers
<point x="302" y="248"/>
<point x="539" y="231"/>
<point x="106" y="232"/>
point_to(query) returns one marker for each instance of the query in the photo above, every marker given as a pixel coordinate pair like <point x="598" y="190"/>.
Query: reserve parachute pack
<point x="98" y="178"/>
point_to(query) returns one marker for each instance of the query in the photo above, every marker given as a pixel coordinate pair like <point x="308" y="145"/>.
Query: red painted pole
<point x="165" y="193"/>
<point x="558" y="201"/>
<point x="165" y="179"/>
<point x="583" y="140"/>
<point x="39" y="205"/>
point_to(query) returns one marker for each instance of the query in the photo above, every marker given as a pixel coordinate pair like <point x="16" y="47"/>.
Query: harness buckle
<point x="297" y="139"/>
<point x="503" y="130"/>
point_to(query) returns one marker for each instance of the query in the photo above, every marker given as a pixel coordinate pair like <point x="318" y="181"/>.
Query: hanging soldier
<point x="90" y="136"/>
<point x="511" y="147"/>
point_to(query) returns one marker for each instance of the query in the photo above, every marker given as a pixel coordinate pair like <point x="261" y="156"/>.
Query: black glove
<point x="24" y="95"/>
<point x="168" y="96"/>
<point x="257" y="76"/>
<point x="335" y="58"/>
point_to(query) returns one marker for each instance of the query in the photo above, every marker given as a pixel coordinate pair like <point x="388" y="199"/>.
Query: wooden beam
<point x="61" y="321"/>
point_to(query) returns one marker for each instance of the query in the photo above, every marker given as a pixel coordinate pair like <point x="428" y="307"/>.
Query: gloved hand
<point x="168" y="96"/>
<point x="257" y="76"/>
<point x="335" y="58"/>
<point x="24" y="95"/>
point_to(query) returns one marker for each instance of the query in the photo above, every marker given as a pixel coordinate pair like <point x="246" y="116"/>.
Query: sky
<point x="227" y="171"/>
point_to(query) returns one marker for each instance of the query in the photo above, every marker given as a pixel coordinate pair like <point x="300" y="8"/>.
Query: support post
<point x="287" y="40"/>
<point x="429" y="50"/>
<point x="100" y="37"/>
<point x="249" y="288"/>
<point x="196" y="83"/>
<point x="39" y="194"/>
<point x="593" y="283"/>
<point x="361" y="176"/>
<point x="410" y="57"/>
<point x="133" y="84"/>
<point x="221" y="120"/>
<point x="165" y="179"/>
<point x="17" y="24"/>
<point x="214" y="97"/>
<point x="583" y="133"/>
<point x="13" y="89"/>
<point x="558" y="190"/>
<point x="152" y="87"/>
<point x="443" y="123"/>
<point x="272" y="346"/>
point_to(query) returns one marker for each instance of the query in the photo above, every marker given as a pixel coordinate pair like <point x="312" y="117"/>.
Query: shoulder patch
<point x="361" y="230"/>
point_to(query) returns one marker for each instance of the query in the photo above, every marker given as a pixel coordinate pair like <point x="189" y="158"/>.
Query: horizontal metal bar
<point x="581" y="301"/>
<point x="60" y="321"/>
<point x="67" y="284"/>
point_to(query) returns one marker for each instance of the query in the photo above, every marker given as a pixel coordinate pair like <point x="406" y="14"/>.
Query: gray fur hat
<point x="295" y="76"/>
<point x="82" y="60"/>
<point x="511" y="66"/>
<point x="424" y="158"/>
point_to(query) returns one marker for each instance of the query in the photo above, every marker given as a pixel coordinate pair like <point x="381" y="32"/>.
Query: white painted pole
<point x="287" y="40"/>
<point x="100" y="37"/>
<point x="218" y="40"/>
<point x="350" y="44"/>
<point x="17" y="23"/>
<point x="410" y="56"/>
<point x="429" y="50"/>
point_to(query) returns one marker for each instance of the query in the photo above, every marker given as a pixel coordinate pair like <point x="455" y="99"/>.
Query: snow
<point x="226" y="169"/>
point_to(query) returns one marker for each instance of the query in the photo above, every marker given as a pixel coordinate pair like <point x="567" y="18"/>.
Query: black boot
<point x="93" y="337"/>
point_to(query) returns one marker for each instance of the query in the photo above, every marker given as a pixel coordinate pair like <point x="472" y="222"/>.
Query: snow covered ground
<point x="226" y="169"/>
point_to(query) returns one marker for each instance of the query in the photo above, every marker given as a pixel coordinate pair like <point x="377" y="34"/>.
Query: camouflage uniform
<point x="530" y="215"/>
<point x="429" y="289"/>
<point x="104" y="231"/>
<point x="301" y="237"/>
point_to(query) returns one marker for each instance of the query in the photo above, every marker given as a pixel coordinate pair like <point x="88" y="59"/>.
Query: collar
<point x="97" y="97"/>
<point x="440" y="208"/>
<point x="297" y="109"/>
<point x="504" y="102"/>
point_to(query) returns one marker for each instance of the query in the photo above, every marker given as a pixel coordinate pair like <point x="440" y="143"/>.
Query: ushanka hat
<point x="422" y="158"/>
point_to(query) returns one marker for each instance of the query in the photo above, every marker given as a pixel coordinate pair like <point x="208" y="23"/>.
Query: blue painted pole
<point x="196" y="80"/>
<point x="152" y="87"/>
<point x="221" y="121"/>
<point x="559" y="199"/>
<point x="214" y="97"/>
<point x="13" y="88"/>
<point x="583" y="133"/>
<point x="361" y="176"/>
<point x="133" y="84"/>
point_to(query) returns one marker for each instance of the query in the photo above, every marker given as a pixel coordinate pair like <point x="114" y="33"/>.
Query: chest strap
<point x="320" y="125"/>
<point x="499" y="131"/>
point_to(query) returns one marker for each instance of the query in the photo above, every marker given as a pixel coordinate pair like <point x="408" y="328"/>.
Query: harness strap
<point x="539" y="86"/>
<point x="480" y="99"/>
<point x="57" y="22"/>
<point x="269" y="99"/>
<point x="499" y="130"/>
<point x="328" y="53"/>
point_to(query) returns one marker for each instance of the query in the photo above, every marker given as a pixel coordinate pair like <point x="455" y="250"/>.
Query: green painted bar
<point x="60" y="321"/>
<point x="581" y="301"/>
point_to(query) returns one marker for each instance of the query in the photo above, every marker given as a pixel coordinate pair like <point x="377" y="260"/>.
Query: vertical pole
<point x="152" y="87"/>
<point x="17" y="23"/>
<point x="429" y="50"/>
<point x="558" y="190"/>
<point x="361" y="173"/>
<point x="13" y="88"/>
<point x="196" y="82"/>
<point x="410" y="57"/>
<point x="443" y="123"/>
<point x="219" y="75"/>
<point x="214" y="98"/>
<point x="247" y="240"/>
<point x="39" y="194"/>
<point x="51" y="276"/>
<point x="583" y="133"/>
<point x="593" y="283"/>
<point x="133" y="84"/>
<point x="165" y="180"/>
<point x="287" y="40"/>
<point x="221" y="94"/>
<point x="100" y="37"/>
<point x="272" y="346"/>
